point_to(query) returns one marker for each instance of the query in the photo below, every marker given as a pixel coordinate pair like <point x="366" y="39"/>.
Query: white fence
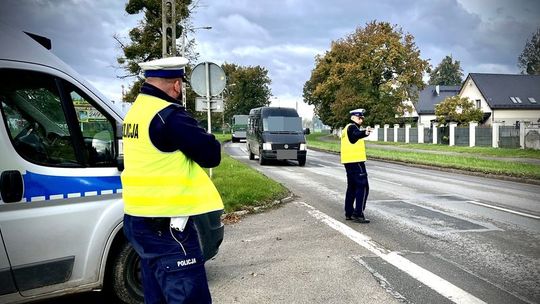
<point x="497" y="135"/>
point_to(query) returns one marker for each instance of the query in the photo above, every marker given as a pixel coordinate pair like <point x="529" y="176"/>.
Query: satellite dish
<point x="216" y="79"/>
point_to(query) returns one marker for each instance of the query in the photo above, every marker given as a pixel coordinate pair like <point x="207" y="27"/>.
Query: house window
<point x="518" y="99"/>
<point x="532" y="100"/>
<point x="478" y="103"/>
<point x="513" y="99"/>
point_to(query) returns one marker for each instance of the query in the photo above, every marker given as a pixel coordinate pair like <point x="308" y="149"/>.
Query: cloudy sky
<point x="284" y="36"/>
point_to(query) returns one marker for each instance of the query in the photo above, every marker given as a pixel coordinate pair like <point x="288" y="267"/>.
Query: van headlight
<point x="303" y="147"/>
<point x="267" y="146"/>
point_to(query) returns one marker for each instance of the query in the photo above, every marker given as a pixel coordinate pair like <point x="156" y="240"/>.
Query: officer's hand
<point x="368" y="130"/>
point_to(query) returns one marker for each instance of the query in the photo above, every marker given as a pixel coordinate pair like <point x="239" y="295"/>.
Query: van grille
<point x="294" y="146"/>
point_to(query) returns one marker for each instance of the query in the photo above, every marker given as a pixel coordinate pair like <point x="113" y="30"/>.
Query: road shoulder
<point x="286" y="256"/>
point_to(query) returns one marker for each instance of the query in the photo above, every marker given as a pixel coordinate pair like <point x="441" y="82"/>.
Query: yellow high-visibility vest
<point x="352" y="153"/>
<point x="156" y="183"/>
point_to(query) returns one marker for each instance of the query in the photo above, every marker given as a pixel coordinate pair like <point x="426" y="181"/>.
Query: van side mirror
<point x="120" y="163"/>
<point x="307" y="131"/>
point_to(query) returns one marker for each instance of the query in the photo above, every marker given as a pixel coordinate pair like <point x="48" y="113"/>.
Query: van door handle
<point x="11" y="186"/>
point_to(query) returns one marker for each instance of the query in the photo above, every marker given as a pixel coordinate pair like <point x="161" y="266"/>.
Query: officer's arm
<point x="354" y="133"/>
<point x="174" y="129"/>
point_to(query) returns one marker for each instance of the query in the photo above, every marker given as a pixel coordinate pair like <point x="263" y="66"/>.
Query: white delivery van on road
<point x="61" y="205"/>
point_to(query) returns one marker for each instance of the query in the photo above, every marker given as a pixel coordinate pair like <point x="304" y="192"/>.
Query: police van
<point x="275" y="133"/>
<point x="61" y="206"/>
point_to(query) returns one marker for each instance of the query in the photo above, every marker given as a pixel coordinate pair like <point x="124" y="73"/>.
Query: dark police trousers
<point x="171" y="273"/>
<point x="357" y="189"/>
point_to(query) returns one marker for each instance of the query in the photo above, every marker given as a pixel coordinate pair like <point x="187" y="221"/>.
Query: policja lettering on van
<point x="130" y="130"/>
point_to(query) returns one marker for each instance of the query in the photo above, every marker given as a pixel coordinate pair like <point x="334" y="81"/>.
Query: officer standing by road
<point x="353" y="156"/>
<point x="164" y="185"/>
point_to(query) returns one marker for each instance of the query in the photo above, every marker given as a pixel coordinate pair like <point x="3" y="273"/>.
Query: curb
<point x="234" y="217"/>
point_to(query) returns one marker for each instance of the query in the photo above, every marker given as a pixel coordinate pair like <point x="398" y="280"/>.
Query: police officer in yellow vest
<point x="353" y="156"/>
<point x="164" y="184"/>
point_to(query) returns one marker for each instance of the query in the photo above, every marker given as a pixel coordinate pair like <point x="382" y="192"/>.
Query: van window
<point x="96" y="129"/>
<point x="35" y="118"/>
<point x="51" y="122"/>
<point x="282" y="124"/>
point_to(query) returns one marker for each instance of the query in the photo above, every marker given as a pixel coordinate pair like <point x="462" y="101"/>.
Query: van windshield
<point x="282" y="124"/>
<point x="240" y="119"/>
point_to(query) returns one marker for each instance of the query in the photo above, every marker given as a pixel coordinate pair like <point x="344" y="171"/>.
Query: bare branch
<point x="122" y="46"/>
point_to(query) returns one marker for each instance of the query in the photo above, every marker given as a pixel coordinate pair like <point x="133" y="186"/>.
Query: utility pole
<point x="168" y="27"/>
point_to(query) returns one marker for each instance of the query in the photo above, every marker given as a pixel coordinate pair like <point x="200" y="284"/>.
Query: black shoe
<point x="362" y="220"/>
<point x="349" y="218"/>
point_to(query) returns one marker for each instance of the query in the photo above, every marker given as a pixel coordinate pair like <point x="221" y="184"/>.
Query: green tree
<point x="248" y="87"/>
<point x="374" y="68"/>
<point x="146" y="39"/>
<point x="448" y="72"/>
<point x="456" y="109"/>
<point x="529" y="60"/>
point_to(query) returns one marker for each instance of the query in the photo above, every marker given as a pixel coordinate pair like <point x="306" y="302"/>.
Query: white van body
<point x="61" y="207"/>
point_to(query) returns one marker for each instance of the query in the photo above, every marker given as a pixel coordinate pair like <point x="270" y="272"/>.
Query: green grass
<point x="483" y="151"/>
<point x="242" y="187"/>
<point x="466" y="158"/>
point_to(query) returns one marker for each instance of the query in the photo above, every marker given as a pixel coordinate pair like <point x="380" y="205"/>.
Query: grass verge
<point x="467" y="159"/>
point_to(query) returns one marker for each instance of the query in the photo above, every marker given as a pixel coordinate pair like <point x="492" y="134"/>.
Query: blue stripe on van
<point x="39" y="185"/>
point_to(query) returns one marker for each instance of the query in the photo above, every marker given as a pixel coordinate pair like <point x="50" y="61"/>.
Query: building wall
<point x="426" y="119"/>
<point x="471" y="91"/>
<point x="407" y="114"/>
<point x="509" y="117"/>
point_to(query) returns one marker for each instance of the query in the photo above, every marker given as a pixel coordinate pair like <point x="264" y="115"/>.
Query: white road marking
<point x="505" y="210"/>
<point x="438" y="284"/>
<point x="382" y="280"/>
<point x="385" y="181"/>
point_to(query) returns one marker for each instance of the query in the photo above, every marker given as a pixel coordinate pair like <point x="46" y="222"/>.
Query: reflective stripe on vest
<point x="352" y="153"/>
<point x="156" y="183"/>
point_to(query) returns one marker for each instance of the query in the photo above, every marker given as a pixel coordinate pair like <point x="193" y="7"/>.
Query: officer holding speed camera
<point x="353" y="157"/>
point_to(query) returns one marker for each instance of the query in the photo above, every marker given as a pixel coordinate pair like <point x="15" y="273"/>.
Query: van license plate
<point x="286" y="154"/>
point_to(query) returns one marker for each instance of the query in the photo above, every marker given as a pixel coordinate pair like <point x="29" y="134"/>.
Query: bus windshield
<point x="282" y="124"/>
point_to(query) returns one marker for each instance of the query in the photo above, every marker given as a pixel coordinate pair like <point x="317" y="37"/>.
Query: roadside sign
<point x="216" y="104"/>
<point x="216" y="79"/>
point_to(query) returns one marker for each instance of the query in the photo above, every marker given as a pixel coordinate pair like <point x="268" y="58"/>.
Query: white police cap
<point x="358" y="112"/>
<point x="169" y="67"/>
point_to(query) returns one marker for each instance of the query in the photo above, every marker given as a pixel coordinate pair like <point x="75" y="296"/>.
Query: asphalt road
<point x="435" y="236"/>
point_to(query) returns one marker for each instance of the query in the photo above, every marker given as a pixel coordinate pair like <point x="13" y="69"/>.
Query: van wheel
<point x="262" y="160"/>
<point x="125" y="280"/>
<point x="251" y="155"/>
<point x="301" y="161"/>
